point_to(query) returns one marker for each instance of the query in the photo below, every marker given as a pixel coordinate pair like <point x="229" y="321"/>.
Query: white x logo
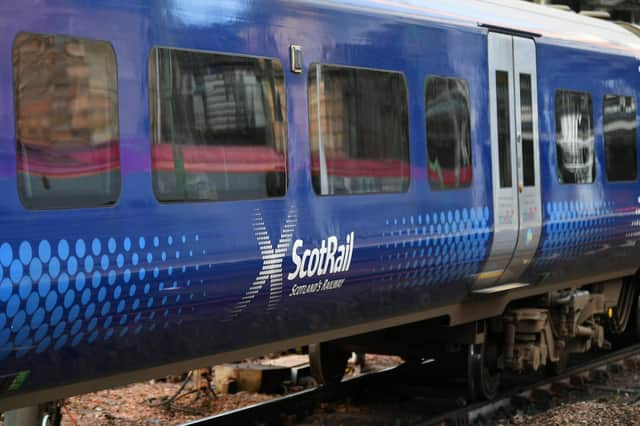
<point x="271" y="261"/>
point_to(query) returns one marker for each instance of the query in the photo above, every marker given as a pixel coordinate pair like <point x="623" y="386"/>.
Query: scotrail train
<point x="189" y="182"/>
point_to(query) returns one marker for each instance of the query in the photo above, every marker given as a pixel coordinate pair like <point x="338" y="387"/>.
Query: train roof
<point x="567" y="27"/>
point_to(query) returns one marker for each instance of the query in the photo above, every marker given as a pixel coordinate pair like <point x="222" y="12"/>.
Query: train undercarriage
<point x="537" y="333"/>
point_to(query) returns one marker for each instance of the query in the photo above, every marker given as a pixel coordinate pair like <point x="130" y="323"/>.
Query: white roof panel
<point x="519" y="15"/>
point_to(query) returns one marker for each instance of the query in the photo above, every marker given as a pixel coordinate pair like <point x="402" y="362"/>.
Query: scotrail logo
<point x="331" y="257"/>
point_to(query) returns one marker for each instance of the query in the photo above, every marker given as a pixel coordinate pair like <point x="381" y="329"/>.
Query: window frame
<point x="15" y="103"/>
<point x="604" y="139"/>
<point x="470" y="109"/>
<point x="285" y="114"/>
<point x="593" y="129"/>
<point x="403" y="78"/>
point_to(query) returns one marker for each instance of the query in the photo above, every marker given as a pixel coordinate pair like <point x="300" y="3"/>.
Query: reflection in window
<point x="218" y="126"/>
<point x="620" y="138"/>
<point x="504" y="127"/>
<point x="66" y="99"/>
<point x="358" y="131"/>
<point x="574" y="137"/>
<point x="526" y="117"/>
<point x="448" y="133"/>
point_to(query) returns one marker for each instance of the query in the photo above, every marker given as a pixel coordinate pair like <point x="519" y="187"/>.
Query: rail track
<point x="418" y="401"/>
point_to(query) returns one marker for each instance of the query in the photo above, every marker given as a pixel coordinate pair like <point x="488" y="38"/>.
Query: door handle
<point x="520" y="187"/>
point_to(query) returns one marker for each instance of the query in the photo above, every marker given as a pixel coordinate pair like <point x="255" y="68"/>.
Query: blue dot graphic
<point x="69" y="297"/>
<point x="142" y="243"/>
<point x="61" y="342"/>
<point x="92" y="324"/>
<point x="105" y="308"/>
<point x="25" y="287"/>
<point x="74" y="313"/>
<point x="96" y="247"/>
<point x="35" y="269"/>
<point x="50" y="302"/>
<point x="54" y="267"/>
<point x="112" y="245"/>
<point x="81" y="249"/>
<point x="86" y="296"/>
<point x="63" y="283"/>
<point x="104" y="262"/>
<point x="16" y="270"/>
<point x="95" y="279"/>
<point x="44" y="345"/>
<point x="6" y="288"/>
<point x="13" y="305"/>
<point x="25" y="252"/>
<point x="127" y="244"/>
<point x="90" y="311"/>
<point x="41" y="333"/>
<point x="80" y="281"/>
<point x="72" y="265"/>
<point x="88" y="264"/>
<point x="18" y="321"/>
<point x="76" y="327"/>
<point x="44" y="251"/>
<point x="6" y="254"/>
<point x="37" y="319"/>
<point x="32" y="303"/>
<point x="56" y="316"/>
<point x="63" y="249"/>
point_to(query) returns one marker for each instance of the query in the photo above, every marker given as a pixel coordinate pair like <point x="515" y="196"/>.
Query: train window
<point x="358" y="131"/>
<point x="67" y="133"/>
<point x="218" y="126"/>
<point x="620" y="138"/>
<point x="504" y="127"/>
<point x="448" y="122"/>
<point x="575" y="137"/>
<point x="526" y="118"/>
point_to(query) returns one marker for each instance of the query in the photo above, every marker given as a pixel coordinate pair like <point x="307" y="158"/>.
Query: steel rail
<point x="275" y="411"/>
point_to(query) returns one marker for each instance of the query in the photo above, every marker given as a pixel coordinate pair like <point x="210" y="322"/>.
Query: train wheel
<point x="328" y="363"/>
<point x="483" y="376"/>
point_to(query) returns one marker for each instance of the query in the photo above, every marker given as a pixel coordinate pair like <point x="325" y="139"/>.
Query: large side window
<point x="620" y="138"/>
<point x="67" y="135"/>
<point x="448" y="122"/>
<point x="575" y="137"/>
<point x="218" y="126"/>
<point x="358" y="131"/>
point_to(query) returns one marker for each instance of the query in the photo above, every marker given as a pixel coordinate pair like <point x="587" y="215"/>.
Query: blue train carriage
<point x="187" y="183"/>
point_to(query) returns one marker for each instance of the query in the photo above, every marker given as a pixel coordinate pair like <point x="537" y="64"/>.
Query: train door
<point x="515" y="162"/>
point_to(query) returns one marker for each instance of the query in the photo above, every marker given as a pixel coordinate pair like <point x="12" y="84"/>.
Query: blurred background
<point x="616" y="10"/>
